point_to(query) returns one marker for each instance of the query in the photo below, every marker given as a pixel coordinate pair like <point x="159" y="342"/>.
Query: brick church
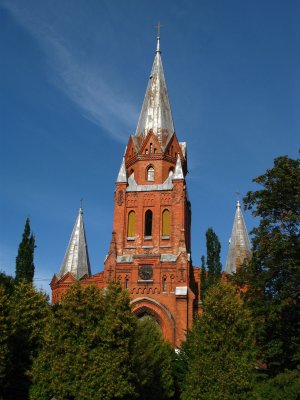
<point x="150" y="248"/>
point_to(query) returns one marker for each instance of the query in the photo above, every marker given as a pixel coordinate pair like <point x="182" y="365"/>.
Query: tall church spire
<point x="156" y="111"/>
<point x="239" y="244"/>
<point x="76" y="259"/>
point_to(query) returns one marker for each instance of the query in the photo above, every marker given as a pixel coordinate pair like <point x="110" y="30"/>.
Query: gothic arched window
<point x="148" y="223"/>
<point x="166" y="223"/>
<point x="150" y="174"/>
<point x="131" y="224"/>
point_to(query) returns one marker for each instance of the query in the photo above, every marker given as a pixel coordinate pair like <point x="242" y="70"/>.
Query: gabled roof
<point x="239" y="244"/>
<point x="150" y="137"/>
<point x="156" y="111"/>
<point x="76" y="260"/>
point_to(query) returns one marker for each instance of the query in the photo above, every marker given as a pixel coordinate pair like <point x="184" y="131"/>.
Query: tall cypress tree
<point x="24" y="259"/>
<point x="213" y="248"/>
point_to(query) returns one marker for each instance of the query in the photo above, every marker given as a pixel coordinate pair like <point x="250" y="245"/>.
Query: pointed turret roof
<point x="239" y="244"/>
<point x="178" y="174"/>
<point x="122" y="176"/>
<point x="156" y="111"/>
<point x="76" y="259"/>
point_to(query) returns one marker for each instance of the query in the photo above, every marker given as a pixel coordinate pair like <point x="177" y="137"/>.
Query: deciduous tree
<point x="272" y="276"/>
<point x="4" y="341"/>
<point x="86" y="354"/>
<point x="219" y="353"/>
<point x="23" y="314"/>
<point x="152" y="361"/>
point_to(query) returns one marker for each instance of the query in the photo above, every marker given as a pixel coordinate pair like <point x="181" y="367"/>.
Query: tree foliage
<point x="272" y="276"/>
<point x="23" y="313"/>
<point x="152" y="361"/>
<point x="7" y="282"/>
<point x="4" y="340"/>
<point x="219" y="354"/>
<point x="24" y="260"/>
<point x="86" y="354"/>
<point x="286" y="385"/>
<point x="212" y="274"/>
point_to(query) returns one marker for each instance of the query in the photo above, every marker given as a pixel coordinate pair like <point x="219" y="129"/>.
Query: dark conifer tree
<point x="24" y="260"/>
<point x="213" y="248"/>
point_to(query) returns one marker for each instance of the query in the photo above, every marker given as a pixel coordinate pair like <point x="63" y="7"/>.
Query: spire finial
<point x="158" y="26"/>
<point x="238" y="204"/>
<point x="81" y="200"/>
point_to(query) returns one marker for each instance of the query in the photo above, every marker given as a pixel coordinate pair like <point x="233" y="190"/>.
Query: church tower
<point x="239" y="243"/>
<point x="150" y="250"/>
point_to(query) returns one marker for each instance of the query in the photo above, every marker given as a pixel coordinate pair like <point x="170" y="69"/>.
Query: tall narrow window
<point x="164" y="284"/>
<point x="148" y="223"/>
<point x="150" y="148"/>
<point x="166" y="223"/>
<point x="150" y="174"/>
<point x="131" y="224"/>
<point x="126" y="282"/>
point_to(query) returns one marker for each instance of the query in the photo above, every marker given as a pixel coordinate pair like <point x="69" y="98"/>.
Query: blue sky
<point x="72" y="80"/>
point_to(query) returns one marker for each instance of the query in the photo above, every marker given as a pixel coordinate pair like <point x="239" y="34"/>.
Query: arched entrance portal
<point x="145" y="306"/>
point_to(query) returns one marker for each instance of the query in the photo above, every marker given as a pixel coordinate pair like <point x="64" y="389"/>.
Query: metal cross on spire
<point x="238" y="194"/>
<point x="158" y="26"/>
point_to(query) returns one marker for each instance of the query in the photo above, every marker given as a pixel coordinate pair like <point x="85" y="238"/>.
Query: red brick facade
<point x="150" y="249"/>
<point x="155" y="268"/>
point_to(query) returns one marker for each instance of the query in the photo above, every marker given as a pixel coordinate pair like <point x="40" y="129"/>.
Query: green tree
<point x="213" y="248"/>
<point x="285" y="385"/>
<point x="4" y="341"/>
<point x="24" y="260"/>
<point x="23" y="315"/>
<point x="219" y="353"/>
<point x="272" y="276"/>
<point x="7" y="282"/>
<point x="152" y="361"/>
<point x="87" y="349"/>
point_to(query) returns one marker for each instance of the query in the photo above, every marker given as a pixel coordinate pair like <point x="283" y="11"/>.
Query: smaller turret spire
<point x="76" y="259"/>
<point x="122" y="176"/>
<point x="178" y="174"/>
<point x="239" y="244"/>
